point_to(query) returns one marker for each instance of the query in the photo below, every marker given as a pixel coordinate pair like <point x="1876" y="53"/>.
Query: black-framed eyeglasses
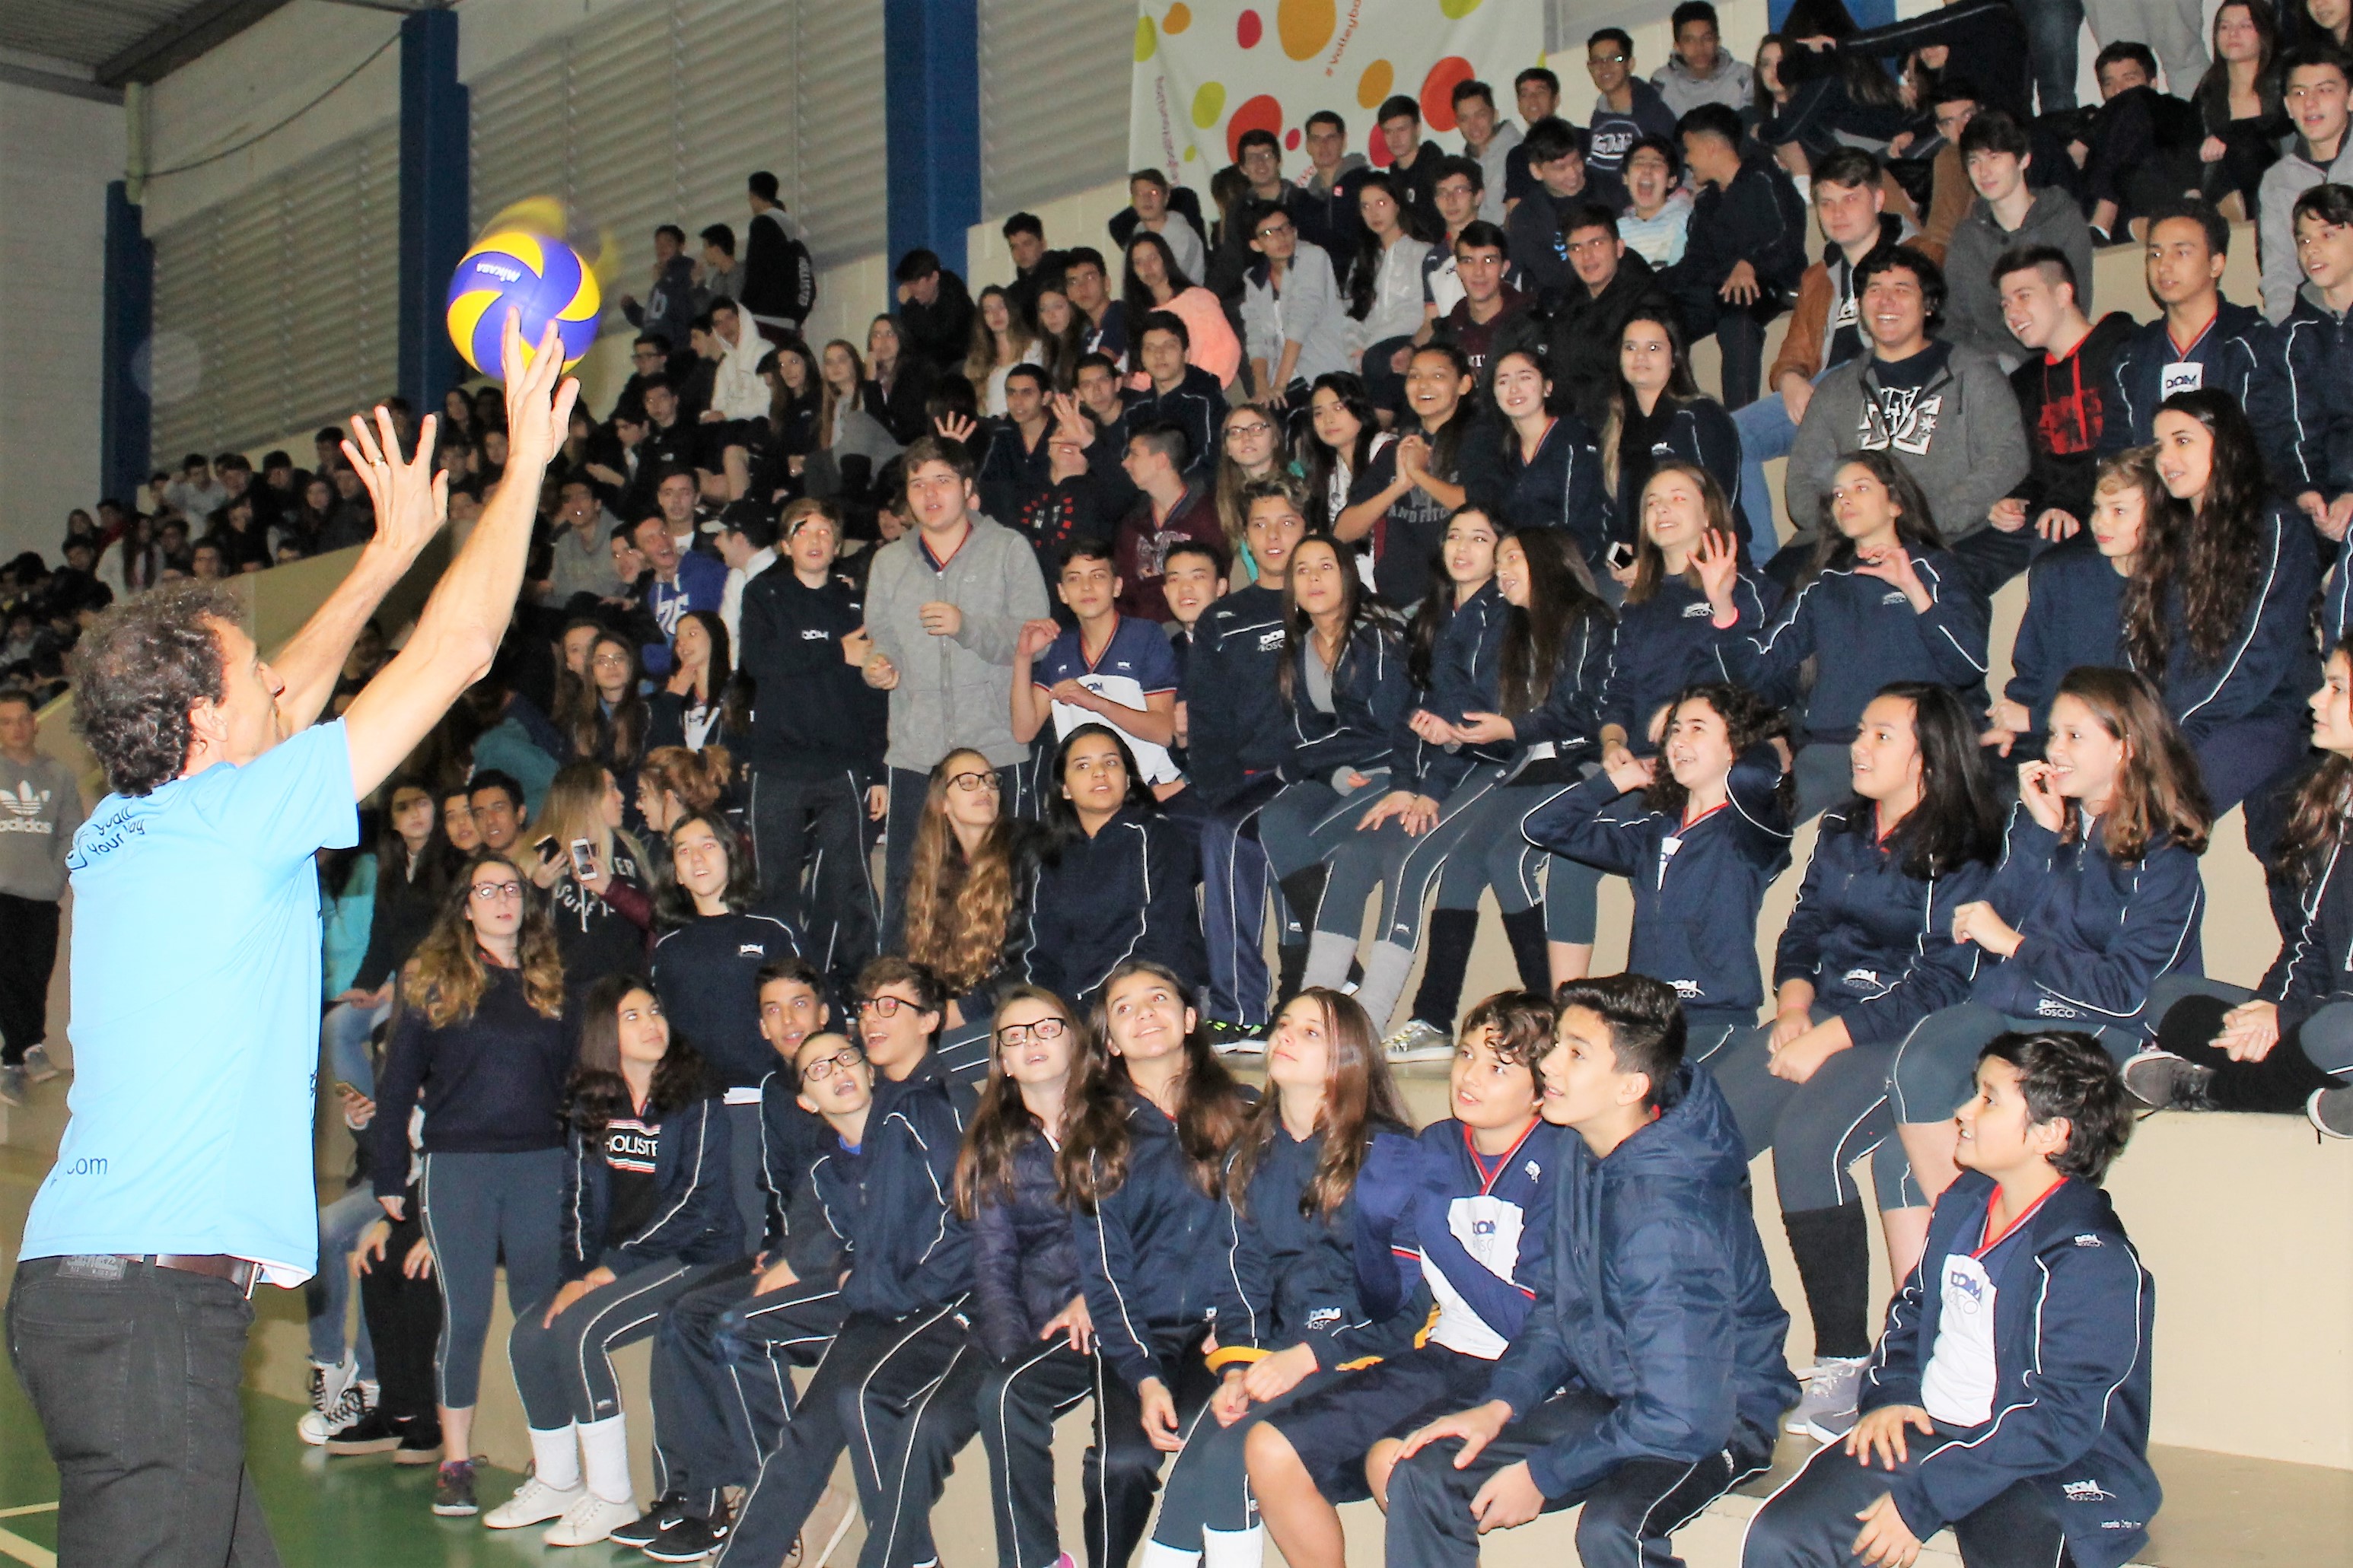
<point x="1044" y="1029"/>
<point x="824" y="1068"/>
<point x="882" y="1007"/>
<point x="971" y="781"/>
<point x="488" y="891"/>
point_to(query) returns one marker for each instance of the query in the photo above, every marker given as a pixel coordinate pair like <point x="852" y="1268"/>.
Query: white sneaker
<point x="589" y="1520"/>
<point x="536" y="1502"/>
<point x="1826" y="1413"/>
<point x="331" y="1389"/>
<point x="1418" y="1042"/>
<point x="349" y="1410"/>
<point x="2330" y="1112"/>
<point x="38" y="1068"/>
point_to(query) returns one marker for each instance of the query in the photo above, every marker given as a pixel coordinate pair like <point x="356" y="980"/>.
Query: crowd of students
<point x="1374" y="545"/>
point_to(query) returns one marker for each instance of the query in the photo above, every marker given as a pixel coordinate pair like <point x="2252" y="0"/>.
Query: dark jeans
<point x="2052" y="27"/>
<point x="134" y="1372"/>
<point x="1811" y="1520"/>
<point x="28" y="953"/>
<point x="1630" y="1514"/>
<point x="808" y="838"/>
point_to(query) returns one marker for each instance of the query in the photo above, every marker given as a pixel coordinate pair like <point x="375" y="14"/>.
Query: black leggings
<point x="404" y="1319"/>
<point x="2316" y="1055"/>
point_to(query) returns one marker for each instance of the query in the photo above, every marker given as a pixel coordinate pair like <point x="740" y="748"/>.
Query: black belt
<point x="241" y="1272"/>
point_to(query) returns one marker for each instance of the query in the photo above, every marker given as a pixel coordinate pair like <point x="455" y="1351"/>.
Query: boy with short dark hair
<point x="1108" y="668"/>
<point x="1675" y="1372"/>
<point x="2316" y="81"/>
<point x="1699" y="72"/>
<point x="2009" y="214"/>
<point x="1746" y="252"/>
<point x="1625" y="107"/>
<point x="2008" y="1397"/>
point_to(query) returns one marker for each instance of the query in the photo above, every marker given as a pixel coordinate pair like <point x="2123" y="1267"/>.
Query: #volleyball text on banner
<point x="1208" y="70"/>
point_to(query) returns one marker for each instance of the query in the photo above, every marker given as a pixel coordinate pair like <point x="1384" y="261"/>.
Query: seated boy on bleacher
<point x="1655" y="1313"/>
<point x="2009" y="1396"/>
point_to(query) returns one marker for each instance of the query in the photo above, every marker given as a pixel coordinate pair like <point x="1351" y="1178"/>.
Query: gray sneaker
<point x="1826" y="1413"/>
<point x="1418" y="1042"/>
<point x="38" y="1068"/>
<point x="12" y="1085"/>
<point x="2163" y="1081"/>
<point x="2331" y="1111"/>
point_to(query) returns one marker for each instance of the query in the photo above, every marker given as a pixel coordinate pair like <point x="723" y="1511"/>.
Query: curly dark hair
<point x="139" y="669"/>
<point x="2065" y="1074"/>
<point x="1748" y="721"/>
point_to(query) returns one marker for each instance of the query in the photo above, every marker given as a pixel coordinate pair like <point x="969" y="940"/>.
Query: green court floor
<point x="361" y="1512"/>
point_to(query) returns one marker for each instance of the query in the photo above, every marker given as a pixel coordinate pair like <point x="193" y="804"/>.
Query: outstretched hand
<point x="538" y="397"/>
<point x="411" y="500"/>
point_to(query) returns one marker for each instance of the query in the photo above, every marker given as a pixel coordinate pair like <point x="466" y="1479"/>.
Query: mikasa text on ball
<point x="543" y="278"/>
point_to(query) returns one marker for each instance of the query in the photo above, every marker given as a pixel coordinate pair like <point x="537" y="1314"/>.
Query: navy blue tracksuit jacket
<point x="2072" y="1314"/>
<point x="2075" y="613"/>
<point x="2239" y="353"/>
<point x="1465" y="665"/>
<point x="1150" y="1256"/>
<point x="1238" y="731"/>
<point x="1874" y="635"/>
<point x="1125" y="893"/>
<point x="1665" y="643"/>
<point x="908" y="1249"/>
<point x="1657" y="1295"/>
<point x="694" y="1219"/>
<point x="2319" y="345"/>
<point x="1025" y="1265"/>
<point x="1876" y="942"/>
<point x="1371" y="695"/>
<point x="1697" y="885"/>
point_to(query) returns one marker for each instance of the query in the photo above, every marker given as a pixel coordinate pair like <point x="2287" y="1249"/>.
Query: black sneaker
<point x="420" y="1441"/>
<point x="373" y="1433"/>
<point x="691" y="1540"/>
<point x="453" y="1490"/>
<point x="667" y="1509"/>
<point x="1231" y="1039"/>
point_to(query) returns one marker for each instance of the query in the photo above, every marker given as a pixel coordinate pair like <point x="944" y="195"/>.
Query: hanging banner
<point x="1208" y="70"/>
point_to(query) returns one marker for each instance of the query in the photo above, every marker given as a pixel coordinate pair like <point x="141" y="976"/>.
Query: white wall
<point x="56" y="153"/>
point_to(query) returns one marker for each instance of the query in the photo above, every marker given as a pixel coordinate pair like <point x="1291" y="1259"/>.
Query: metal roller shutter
<point x="836" y="107"/>
<point x="276" y="312"/>
<point x="1054" y="77"/>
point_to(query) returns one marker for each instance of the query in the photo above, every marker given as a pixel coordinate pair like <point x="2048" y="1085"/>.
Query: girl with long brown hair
<point x="2097" y="897"/>
<point x="602" y="909"/>
<point x="1290" y="1310"/>
<point x="611" y="729"/>
<point x="968" y="889"/>
<point x="478" y="1040"/>
<point x="1047" y="1090"/>
<point x="2287" y="1044"/>
<point x="1001" y="339"/>
<point x="647" y="1217"/>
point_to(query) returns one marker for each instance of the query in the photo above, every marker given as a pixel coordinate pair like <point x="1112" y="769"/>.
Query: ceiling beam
<point x="52" y="81"/>
<point x="177" y="42"/>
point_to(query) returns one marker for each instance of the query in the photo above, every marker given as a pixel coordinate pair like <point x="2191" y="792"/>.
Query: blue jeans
<point x="329" y="1291"/>
<point x="1767" y="432"/>
<point x="345" y="1030"/>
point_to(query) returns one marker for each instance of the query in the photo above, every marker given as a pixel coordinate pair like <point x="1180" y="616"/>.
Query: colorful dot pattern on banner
<point x="543" y="278"/>
<point x="1263" y="112"/>
<point x="1438" y="91"/>
<point x="1249" y="28"/>
<point x="1305" y="26"/>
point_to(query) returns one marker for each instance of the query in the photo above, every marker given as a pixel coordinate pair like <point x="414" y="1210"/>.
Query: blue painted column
<point x="931" y="92"/>
<point x="435" y="224"/>
<point x="126" y="406"/>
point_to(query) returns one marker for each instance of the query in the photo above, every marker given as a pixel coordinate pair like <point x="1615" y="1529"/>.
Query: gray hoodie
<point x="1972" y="304"/>
<point x="1959" y="436"/>
<point x="40" y="807"/>
<point x="2293" y="174"/>
<point x="953" y="690"/>
<point x="1734" y="85"/>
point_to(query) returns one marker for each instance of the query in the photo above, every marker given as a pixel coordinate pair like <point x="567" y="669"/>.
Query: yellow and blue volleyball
<point x="542" y="277"/>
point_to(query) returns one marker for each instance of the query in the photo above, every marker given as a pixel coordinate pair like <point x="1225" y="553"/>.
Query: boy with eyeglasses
<point x="903" y="1298"/>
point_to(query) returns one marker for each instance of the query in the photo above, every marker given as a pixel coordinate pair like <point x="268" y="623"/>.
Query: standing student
<point x="1114" y="883"/>
<point x="1290" y="1310"/>
<point x="481" y="1046"/>
<point x="2287" y="1044"/>
<point x="943" y="608"/>
<point x="647" y="1216"/>
<point x="2096" y="898"/>
<point x="1883" y="589"/>
<point x="45" y="807"/>
<point x="1028" y="1162"/>
<point x="1866" y="955"/>
<point x="2015" y="1360"/>
<point x="910" y="1279"/>
<point x="1699" y="832"/>
<point x="1410" y="486"/>
<point x="1461" y="1215"/>
<point x="1235" y="743"/>
<point x="813" y="747"/>
<point x="706" y="969"/>
<point x="968" y="916"/>
<point x="1291" y="315"/>
<point x="1150" y="1249"/>
<point x="1654" y="1310"/>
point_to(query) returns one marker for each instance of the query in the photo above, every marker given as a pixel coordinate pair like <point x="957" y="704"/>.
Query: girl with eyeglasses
<point x="1291" y="1310"/>
<point x="478" y="1041"/>
<point x="1032" y="1351"/>
<point x="1251" y="444"/>
<point x="647" y="1217"/>
<point x="1115" y="881"/>
<point x="967" y="900"/>
<point x="706" y="970"/>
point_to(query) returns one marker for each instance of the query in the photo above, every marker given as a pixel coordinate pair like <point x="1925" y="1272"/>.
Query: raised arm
<point x="458" y="634"/>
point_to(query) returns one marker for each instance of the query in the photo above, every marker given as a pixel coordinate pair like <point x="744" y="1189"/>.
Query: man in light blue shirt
<point x="184" y="1178"/>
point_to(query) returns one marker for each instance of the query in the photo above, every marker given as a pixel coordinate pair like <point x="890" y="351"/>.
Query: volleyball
<point x="545" y="279"/>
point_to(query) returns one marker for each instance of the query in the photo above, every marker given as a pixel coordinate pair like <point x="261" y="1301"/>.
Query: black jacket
<point x="1125" y="893"/>
<point x="1582" y="353"/>
<point x="694" y="1218"/>
<point x="813" y="715"/>
<point x="1759" y="219"/>
<point x="1025" y="1267"/>
<point x="2064" y="407"/>
<point x="1151" y="1255"/>
<point x="707" y="975"/>
<point x="491" y="1084"/>
<point x="1237" y="728"/>
<point x="811" y="1182"/>
<point x="779" y="278"/>
<point x="1197" y="404"/>
<point x="404" y="913"/>
<point x="1560" y="488"/>
<point x="939" y="333"/>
